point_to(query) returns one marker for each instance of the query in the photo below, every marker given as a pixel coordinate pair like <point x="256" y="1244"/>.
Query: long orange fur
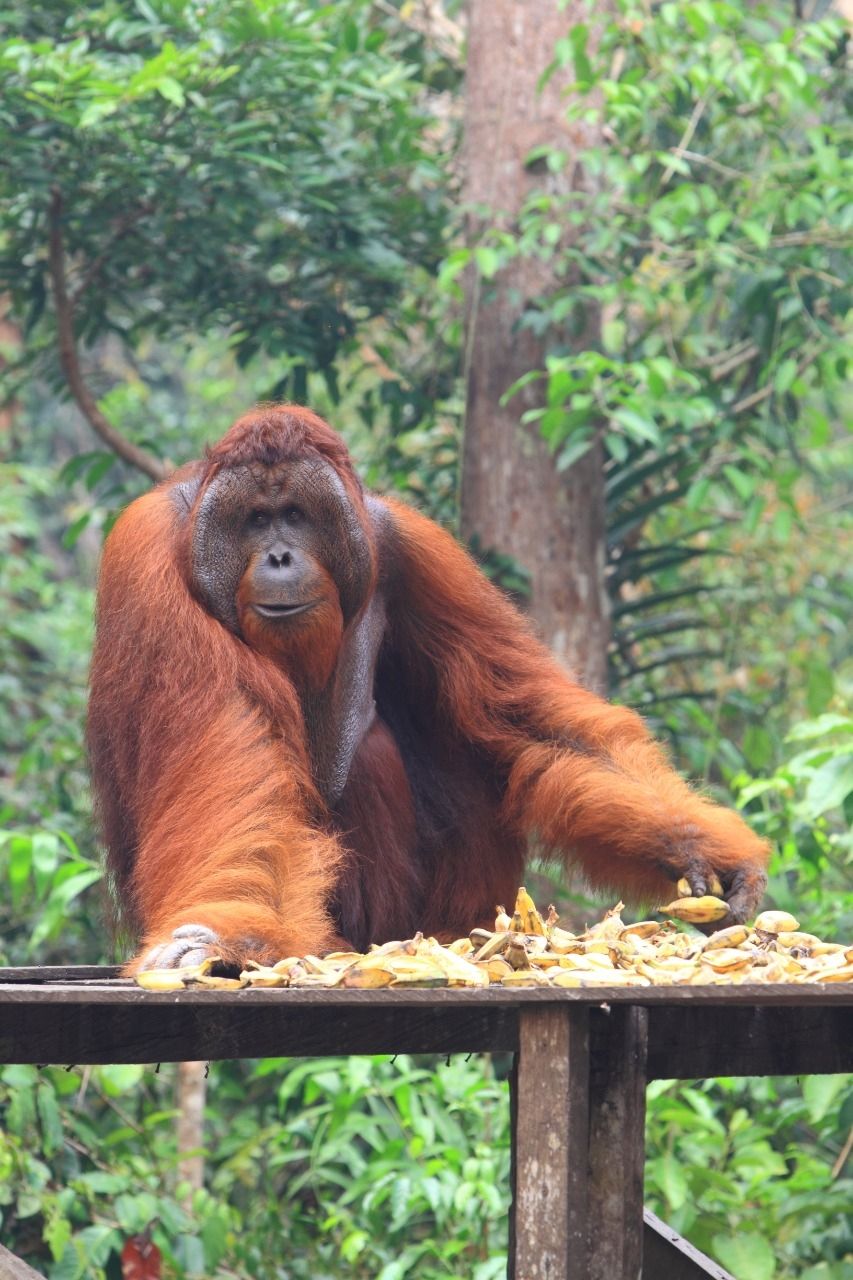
<point x="203" y="779"/>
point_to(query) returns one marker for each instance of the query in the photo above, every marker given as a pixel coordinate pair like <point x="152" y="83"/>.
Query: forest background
<point x="206" y="204"/>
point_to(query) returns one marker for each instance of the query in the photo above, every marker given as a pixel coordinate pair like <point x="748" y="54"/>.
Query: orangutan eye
<point x="259" y="519"/>
<point x="294" y="515"/>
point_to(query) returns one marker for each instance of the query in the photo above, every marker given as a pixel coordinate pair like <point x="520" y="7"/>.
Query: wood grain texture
<point x="13" y="1268"/>
<point x="550" y="1139"/>
<point x="693" y="1032"/>
<point x="617" y="1110"/>
<point x="60" y="973"/>
<point x="784" y="1040"/>
<point x="513" y="497"/>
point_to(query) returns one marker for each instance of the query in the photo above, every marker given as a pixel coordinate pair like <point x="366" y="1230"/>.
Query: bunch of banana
<point x="525" y="950"/>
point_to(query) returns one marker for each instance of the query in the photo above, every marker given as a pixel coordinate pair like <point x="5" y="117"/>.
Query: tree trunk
<point x="513" y="498"/>
<point x="192" y="1093"/>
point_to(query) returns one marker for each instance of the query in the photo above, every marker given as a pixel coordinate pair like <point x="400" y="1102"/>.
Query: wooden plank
<point x="762" y="1041"/>
<point x="668" y="1256"/>
<point x="550" y="1139"/>
<point x="153" y="1031"/>
<point x="687" y="1040"/>
<point x="124" y="991"/>
<point x="617" y="1138"/>
<point x="60" y="973"/>
<point x="14" y="1268"/>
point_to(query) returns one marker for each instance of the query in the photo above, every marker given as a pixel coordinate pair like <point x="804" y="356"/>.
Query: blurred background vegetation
<point x="257" y="199"/>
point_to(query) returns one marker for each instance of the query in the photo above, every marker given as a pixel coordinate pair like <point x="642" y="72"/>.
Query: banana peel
<point x="524" y="950"/>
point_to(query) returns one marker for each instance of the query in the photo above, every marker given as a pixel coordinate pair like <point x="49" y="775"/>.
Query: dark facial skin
<point x="282" y="580"/>
<point x="277" y="534"/>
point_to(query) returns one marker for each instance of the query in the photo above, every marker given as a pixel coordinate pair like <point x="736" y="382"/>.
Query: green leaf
<point x="487" y="260"/>
<point x="20" y="862"/>
<point x="673" y="1179"/>
<point x="579" y="36"/>
<point x="784" y="376"/>
<point x="74" y="530"/>
<point x="718" y="222"/>
<point x="56" y="1234"/>
<point x="820" y="687"/>
<point x="821" y="1094"/>
<point x="831" y="722"/>
<point x="95" y="112"/>
<point x="578" y="446"/>
<point x="49" y="1118"/>
<point x="743" y="484"/>
<point x="120" y="1078"/>
<point x="636" y="426"/>
<point x="746" y="1255"/>
<point x="758" y="234"/>
<point x="830" y="785"/>
<point x="758" y="746"/>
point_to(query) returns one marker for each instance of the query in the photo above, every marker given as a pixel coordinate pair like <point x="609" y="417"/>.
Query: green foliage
<point x="46" y="875"/>
<point x="806" y="808"/>
<point x="250" y="165"/>
<point x="249" y="207"/>
<point x="44" y="644"/>
<point x="729" y="1168"/>
<point x="370" y="1168"/>
<point x="359" y="1167"/>
<point x="711" y="232"/>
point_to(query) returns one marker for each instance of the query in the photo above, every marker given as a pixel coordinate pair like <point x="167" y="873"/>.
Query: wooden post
<point x="550" y="1128"/>
<point x="617" y="1114"/>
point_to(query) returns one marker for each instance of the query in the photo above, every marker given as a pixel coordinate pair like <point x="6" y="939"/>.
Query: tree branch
<point x="70" y="360"/>
<point x="750" y="401"/>
<point x="123" y="227"/>
<point x="679" y="151"/>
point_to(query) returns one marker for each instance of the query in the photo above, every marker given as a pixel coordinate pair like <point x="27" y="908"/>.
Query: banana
<point x="776" y="922"/>
<point x="178" y="979"/>
<point x="704" y="910"/>
<point x="726" y="959"/>
<point x="498" y="969"/>
<point x="529" y="919"/>
<point x="497" y="943"/>
<point x="523" y="951"/>
<point x="642" y="929"/>
<point x="734" y="936"/>
<point x="610" y="926"/>
<point x="563" y="942"/>
<point x="525" y="978"/>
<point x="516" y="954"/>
<point x="161" y="980"/>
<point x="503" y="922"/>
<point x="367" y="979"/>
<point x="261" y="975"/>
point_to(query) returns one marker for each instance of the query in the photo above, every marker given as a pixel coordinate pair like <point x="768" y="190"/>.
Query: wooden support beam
<point x="68" y="1033"/>
<point x="692" y="1043"/>
<point x="694" y="1032"/>
<point x="668" y="1256"/>
<point x="617" y="1137"/>
<point x="14" y="1268"/>
<point x="550" y="1137"/>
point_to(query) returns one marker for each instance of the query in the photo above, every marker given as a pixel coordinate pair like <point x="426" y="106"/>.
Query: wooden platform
<point x="582" y="1061"/>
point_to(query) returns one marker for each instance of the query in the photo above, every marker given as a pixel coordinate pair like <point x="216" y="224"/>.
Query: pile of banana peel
<point x="527" y="950"/>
